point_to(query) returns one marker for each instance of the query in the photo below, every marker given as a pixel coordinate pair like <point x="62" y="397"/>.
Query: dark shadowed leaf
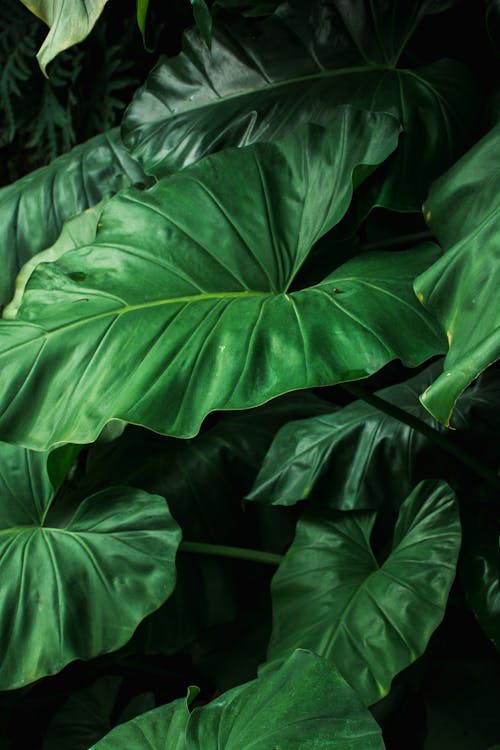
<point x="262" y="79"/>
<point x="74" y="588"/>
<point x="371" y="620"/>
<point x="164" y="318"/>
<point x="34" y="209"/>
<point x="480" y="571"/>
<point x="359" y="457"/>
<point x="461" y="288"/>
<point x="305" y="704"/>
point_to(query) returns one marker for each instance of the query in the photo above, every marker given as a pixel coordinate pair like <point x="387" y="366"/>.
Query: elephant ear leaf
<point x="261" y="79"/>
<point x="306" y="703"/>
<point x="331" y="595"/>
<point x="461" y="288"/>
<point x="69" y="21"/>
<point x="199" y="314"/>
<point x="74" y="588"/>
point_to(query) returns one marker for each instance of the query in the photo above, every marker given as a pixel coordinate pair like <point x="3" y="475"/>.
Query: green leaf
<point x="73" y="587"/>
<point x="70" y="21"/>
<point x="480" y="571"/>
<point x="34" y="209"/>
<point x="352" y="458"/>
<point x="371" y="620"/>
<point x="212" y="323"/>
<point x="203" y="20"/>
<point x="260" y="80"/>
<point x="460" y="289"/>
<point x="359" y="457"/>
<point x="142" y="12"/>
<point x="306" y="704"/>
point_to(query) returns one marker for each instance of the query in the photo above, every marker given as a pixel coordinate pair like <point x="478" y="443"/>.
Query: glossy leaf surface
<point x="164" y="318"/>
<point x="74" y="588"/>
<point x="359" y="457"/>
<point x="34" y="209"/>
<point x="460" y="289"/>
<point x="305" y="704"/>
<point x="70" y="21"/>
<point x="331" y="595"/>
<point x="261" y="80"/>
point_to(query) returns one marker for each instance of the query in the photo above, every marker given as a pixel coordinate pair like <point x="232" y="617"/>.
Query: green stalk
<point x="489" y="476"/>
<point x="236" y="553"/>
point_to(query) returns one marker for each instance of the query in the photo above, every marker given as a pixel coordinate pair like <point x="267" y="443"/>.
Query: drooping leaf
<point x="460" y="289"/>
<point x="359" y="457"/>
<point x="164" y="319"/>
<point x="70" y="21"/>
<point x="304" y="704"/>
<point x="480" y="571"/>
<point x="73" y="588"/>
<point x="260" y="80"/>
<point x="142" y="12"/>
<point x="34" y="209"/>
<point x="371" y="620"/>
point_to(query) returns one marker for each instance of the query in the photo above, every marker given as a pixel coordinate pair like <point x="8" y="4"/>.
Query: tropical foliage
<point x="249" y="395"/>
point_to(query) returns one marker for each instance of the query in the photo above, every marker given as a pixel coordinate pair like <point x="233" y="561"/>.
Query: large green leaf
<point x="33" y="209"/>
<point x="70" y="21"/>
<point x="460" y="289"/>
<point x="165" y="318"/>
<point x="371" y="620"/>
<point x="74" y="587"/>
<point x="306" y="704"/>
<point x="359" y="457"/>
<point x="262" y="79"/>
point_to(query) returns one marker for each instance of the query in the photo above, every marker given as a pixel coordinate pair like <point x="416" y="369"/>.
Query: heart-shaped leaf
<point x="74" y="588"/>
<point x="304" y="704"/>
<point x="461" y="288"/>
<point x="70" y="21"/>
<point x="34" y="209"/>
<point x="331" y="595"/>
<point x="262" y="79"/>
<point x="165" y="317"/>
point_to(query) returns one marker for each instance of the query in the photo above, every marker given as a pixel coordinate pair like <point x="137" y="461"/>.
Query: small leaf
<point x="305" y="704"/>
<point x="331" y="595"/>
<point x="461" y="288"/>
<point x="74" y="588"/>
<point x="70" y="21"/>
<point x="142" y="12"/>
<point x="203" y="20"/>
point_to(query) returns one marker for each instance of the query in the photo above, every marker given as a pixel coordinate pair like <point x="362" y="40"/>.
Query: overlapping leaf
<point x="70" y="21"/>
<point x="304" y="704"/>
<point x="331" y="595"/>
<point x="260" y="80"/>
<point x="359" y="457"/>
<point x="166" y="317"/>
<point x="33" y="209"/>
<point x="461" y="288"/>
<point x="74" y="587"/>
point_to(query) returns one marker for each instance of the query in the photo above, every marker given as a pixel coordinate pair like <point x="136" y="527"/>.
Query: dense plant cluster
<point x="249" y="375"/>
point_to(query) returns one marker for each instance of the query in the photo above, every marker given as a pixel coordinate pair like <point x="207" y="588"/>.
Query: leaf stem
<point x="489" y="476"/>
<point x="402" y="239"/>
<point x="236" y="553"/>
